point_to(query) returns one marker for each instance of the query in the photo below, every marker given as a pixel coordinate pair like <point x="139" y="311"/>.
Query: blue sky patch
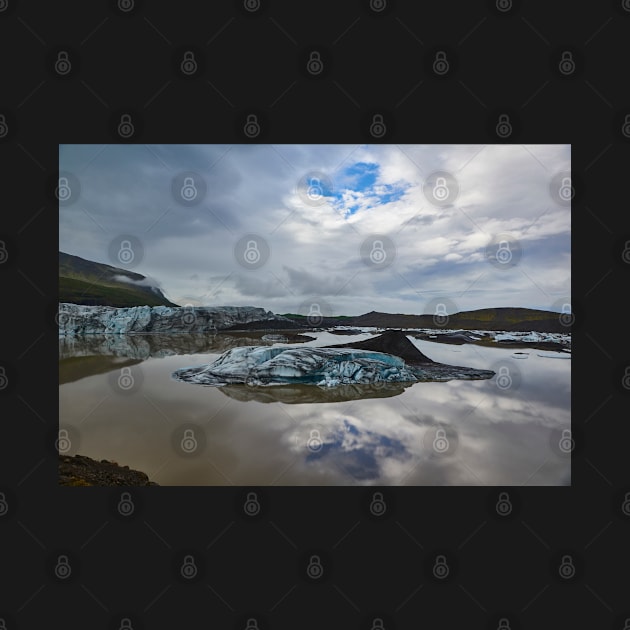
<point x="356" y="187"/>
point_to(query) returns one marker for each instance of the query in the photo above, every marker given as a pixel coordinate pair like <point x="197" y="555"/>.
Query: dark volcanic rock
<point x="391" y="342"/>
<point x="79" y="470"/>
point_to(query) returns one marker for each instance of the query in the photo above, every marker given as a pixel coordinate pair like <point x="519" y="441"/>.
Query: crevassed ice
<point x="322" y="366"/>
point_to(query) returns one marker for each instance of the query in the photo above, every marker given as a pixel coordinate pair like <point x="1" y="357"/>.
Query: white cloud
<point x="316" y="249"/>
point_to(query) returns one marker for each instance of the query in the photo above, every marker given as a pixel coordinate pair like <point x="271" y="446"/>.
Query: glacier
<point x="327" y="367"/>
<point x="77" y="319"/>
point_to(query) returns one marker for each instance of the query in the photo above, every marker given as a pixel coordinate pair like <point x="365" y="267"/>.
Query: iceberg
<point x="328" y="366"/>
<point x="262" y="365"/>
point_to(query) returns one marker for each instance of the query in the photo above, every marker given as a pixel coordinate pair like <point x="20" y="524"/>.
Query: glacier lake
<point x="119" y="401"/>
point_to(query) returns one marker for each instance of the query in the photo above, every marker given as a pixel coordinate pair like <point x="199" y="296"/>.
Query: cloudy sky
<point x="350" y="228"/>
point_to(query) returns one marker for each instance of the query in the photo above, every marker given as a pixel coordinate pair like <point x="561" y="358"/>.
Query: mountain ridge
<point x="90" y="283"/>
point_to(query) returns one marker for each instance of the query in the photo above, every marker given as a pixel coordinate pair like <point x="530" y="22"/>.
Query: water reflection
<point x="300" y="394"/>
<point x="367" y="435"/>
<point x="144" y="346"/>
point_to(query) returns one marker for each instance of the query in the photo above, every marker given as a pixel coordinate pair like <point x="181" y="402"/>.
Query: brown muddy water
<point x="118" y="401"/>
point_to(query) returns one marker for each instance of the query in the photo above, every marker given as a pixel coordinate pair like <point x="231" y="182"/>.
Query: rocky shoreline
<point x="79" y="470"/>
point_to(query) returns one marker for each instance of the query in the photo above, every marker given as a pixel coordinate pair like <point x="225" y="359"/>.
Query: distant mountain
<point x="87" y="282"/>
<point x="502" y="318"/>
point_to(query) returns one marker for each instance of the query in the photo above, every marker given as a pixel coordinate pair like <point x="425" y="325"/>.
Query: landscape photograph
<point x="314" y="315"/>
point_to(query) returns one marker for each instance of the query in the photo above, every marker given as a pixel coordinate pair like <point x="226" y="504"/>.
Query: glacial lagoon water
<point x="118" y="401"/>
